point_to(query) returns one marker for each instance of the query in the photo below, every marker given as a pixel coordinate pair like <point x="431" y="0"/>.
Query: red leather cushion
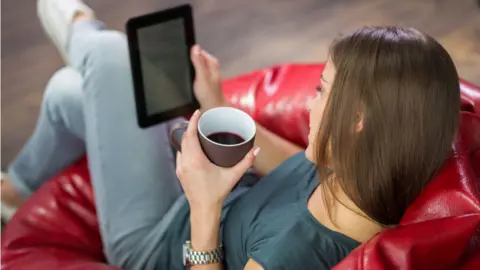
<point x="476" y="160"/>
<point x="470" y="96"/>
<point x="57" y="227"/>
<point x="473" y="264"/>
<point x="436" y="244"/>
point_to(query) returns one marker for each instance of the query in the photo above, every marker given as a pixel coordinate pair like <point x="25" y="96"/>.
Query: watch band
<point x="192" y="257"/>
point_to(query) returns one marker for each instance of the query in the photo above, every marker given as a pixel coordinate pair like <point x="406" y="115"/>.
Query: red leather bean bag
<point x="57" y="228"/>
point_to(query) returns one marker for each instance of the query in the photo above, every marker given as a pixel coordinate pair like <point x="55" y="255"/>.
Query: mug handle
<point x="176" y="135"/>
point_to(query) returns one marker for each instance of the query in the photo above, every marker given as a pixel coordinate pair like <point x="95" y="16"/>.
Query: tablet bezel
<point x="183" y="12"/>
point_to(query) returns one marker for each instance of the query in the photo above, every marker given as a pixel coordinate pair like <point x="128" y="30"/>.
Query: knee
<point x="108" y="40"/>
<point x="108" y="48"/>
<point x="64" y="90"/>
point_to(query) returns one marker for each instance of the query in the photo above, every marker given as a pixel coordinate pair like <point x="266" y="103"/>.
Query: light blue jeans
<point x="89" y="107"/>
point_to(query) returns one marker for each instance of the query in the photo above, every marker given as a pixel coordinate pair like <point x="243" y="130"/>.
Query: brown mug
<point x="226" y="135"/>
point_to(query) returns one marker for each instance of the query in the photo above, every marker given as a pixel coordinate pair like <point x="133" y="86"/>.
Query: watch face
<point x="186" y="260"/>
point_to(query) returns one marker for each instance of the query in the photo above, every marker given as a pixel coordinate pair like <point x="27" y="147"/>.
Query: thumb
<point x="246" y="162"/>
<point x="198" y="61"/>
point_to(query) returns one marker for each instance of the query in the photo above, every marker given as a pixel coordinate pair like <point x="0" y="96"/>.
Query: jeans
<point x="89" y="107"/>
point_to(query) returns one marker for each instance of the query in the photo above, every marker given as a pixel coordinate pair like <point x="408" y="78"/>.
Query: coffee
<point x="225" y="134"/>
<point x="225" y="138"/>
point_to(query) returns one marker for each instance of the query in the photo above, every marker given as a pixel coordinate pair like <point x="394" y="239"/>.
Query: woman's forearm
<point x="205" y="226"/>
<point x="274" y="150"/>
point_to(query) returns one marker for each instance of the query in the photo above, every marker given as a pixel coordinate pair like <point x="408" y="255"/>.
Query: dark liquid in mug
<point x="225" y="138"/>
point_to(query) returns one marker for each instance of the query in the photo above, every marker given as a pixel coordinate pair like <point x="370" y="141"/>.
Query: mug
<point x="226" y="135"/>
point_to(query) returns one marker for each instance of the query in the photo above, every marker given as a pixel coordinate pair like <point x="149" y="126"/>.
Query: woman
<point x="381" y="126"/>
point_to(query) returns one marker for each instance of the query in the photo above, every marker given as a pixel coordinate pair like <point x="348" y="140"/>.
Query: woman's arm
<point x="206" y="187"/>
<point x="205" y="227"/>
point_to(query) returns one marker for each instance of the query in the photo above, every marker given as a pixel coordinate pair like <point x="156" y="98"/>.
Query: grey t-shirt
<point x="269" y="223"/>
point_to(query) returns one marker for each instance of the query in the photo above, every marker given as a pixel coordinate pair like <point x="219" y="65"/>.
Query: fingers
<point x="212" y="64"/>
<point x="193" y="123"/>
<point x="205" y="64"/>
<point x="199" y="63"/>
<point x="190" y="141"/>
<point x="246" y="162"/>
<point x="179" y="164"/>
<point x="195" y="53"/>
<point x="179" y="158"/>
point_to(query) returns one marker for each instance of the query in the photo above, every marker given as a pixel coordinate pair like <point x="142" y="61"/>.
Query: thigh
<point x="132" y="169"/>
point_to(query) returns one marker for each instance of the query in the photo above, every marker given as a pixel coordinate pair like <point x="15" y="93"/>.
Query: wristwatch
<point x="192" y="257"/>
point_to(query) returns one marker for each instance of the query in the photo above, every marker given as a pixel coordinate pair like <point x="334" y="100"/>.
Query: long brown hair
<point x="403" y="86"/>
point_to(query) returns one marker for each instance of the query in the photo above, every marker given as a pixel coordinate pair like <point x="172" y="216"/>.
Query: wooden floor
<point x="244" y="35"/>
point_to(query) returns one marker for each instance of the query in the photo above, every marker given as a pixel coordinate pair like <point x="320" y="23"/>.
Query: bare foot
<point x="10" y="196"/>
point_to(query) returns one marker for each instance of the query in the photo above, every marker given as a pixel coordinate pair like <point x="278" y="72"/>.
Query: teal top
<point x="270" y="223"/>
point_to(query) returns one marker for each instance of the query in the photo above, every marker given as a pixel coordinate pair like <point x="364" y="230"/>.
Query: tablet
<point x="159" y="45"/>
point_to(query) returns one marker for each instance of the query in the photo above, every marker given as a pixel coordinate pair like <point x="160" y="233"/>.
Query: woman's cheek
<point x="315" y="119"/>
<point x="309" y="152"/>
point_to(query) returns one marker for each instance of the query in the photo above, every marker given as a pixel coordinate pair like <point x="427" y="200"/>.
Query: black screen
<point x="165" y="64"/>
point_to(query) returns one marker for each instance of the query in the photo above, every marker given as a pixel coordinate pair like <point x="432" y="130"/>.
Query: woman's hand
<point x="205" y="184"/>
<point x="207" y="86"/>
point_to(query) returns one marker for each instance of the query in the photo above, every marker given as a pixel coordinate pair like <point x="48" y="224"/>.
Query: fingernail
<point x="196" y="112"/>
<point x="196" y="50"/>
<point x="256" y="151"/>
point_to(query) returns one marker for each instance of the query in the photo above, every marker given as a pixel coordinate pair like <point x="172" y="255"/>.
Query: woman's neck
<point x="346" y="217"/>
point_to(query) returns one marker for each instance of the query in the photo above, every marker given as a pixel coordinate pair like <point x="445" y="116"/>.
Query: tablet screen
<point x="164" y="61"/>
<point x="159" y="46"/>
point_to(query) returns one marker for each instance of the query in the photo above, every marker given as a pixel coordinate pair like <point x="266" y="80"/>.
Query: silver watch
<point x="192" y="257"/>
